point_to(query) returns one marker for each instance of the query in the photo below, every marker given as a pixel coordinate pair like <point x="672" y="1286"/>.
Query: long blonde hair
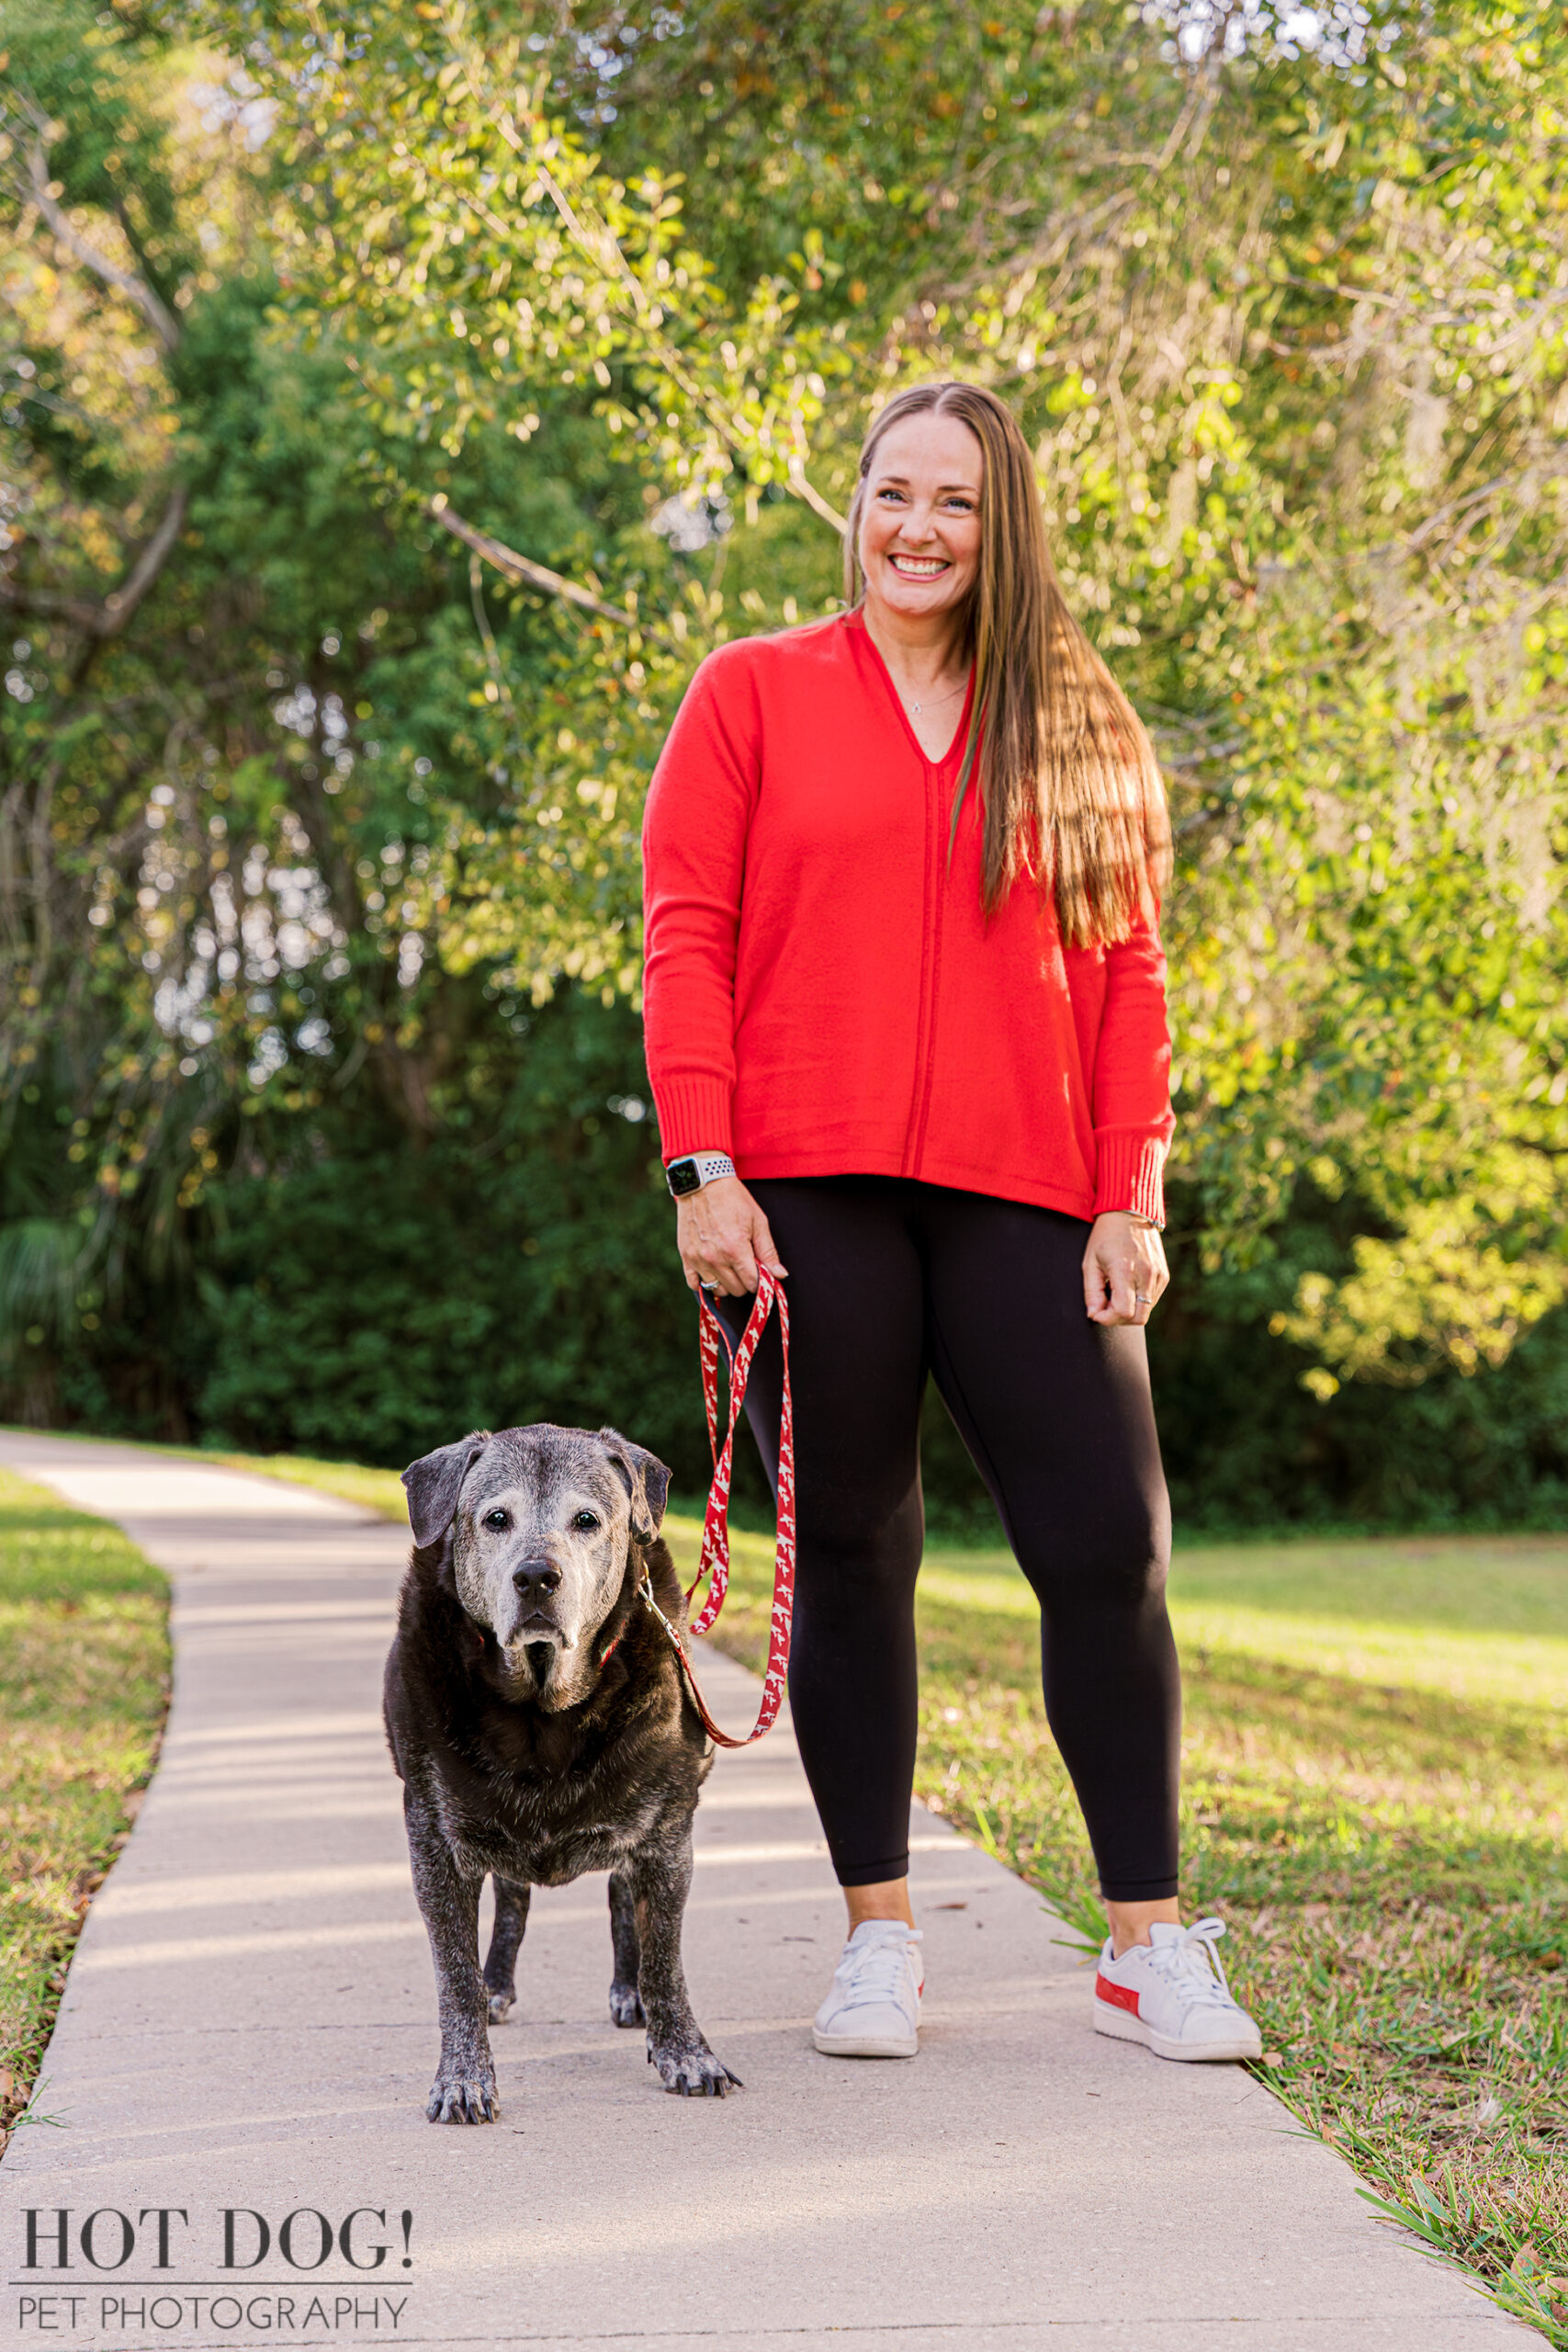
<point x="1070" y="789"/>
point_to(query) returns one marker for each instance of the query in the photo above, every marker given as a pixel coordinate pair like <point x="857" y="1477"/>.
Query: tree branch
<point x="813" y="498"/>
<point x="120" y="605"/>
<point x="161" y="321"/>
<point x="523" y="569"/>
<point x="43" y="600"/>
<point x="109" y="618"/>
<point x="596" y="239"/>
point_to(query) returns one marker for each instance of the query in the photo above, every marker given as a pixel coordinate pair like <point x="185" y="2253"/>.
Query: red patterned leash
<point x="714" y="1561"/>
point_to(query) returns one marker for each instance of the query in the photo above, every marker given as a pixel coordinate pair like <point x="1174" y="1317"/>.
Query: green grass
<point x="378" y="1490"/>
<point x="84" y="1686"/>
<point x="1376" y="1774"/>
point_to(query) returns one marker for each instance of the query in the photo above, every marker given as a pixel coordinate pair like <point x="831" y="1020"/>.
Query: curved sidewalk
<point x="249" y="2026"/>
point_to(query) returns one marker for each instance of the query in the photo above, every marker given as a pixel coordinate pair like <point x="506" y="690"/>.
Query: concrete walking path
<point x="249" y="2027"/>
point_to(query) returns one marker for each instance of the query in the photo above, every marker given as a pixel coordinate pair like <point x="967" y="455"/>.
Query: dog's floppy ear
<point x="646" y="1482"/>
<point x="433" y="1484"/>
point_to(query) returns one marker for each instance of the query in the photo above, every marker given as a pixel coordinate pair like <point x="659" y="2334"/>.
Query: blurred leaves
<point x="319" y="822"/>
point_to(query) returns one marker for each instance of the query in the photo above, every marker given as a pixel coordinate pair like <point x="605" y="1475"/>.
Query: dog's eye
<point x="585" y="1522"/>
<point x="496" y="1519"/>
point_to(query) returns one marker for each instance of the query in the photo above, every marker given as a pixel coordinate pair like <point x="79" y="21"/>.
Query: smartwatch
<point x="689" y="1175"/>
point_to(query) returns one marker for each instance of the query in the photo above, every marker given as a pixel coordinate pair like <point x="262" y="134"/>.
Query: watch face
<point x="683" y="1176"/>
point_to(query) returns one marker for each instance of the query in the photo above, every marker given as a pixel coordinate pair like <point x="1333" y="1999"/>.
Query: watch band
<point x="695" y="1170"/>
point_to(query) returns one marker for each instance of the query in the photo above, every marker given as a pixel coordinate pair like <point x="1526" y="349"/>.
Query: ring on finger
<point x="1142" y="1299"/>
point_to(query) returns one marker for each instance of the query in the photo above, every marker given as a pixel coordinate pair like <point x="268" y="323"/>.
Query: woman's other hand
<point x="1123" y="1269"/>
<point x="723" y="1237"/>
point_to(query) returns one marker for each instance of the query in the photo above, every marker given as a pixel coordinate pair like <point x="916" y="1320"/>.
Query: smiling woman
<point x="1068" y="781"/>
<point x="919" y="537"/>
<point x="906" y="1029"/>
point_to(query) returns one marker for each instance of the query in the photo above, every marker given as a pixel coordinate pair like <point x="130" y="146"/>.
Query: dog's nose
<point x="535" y="1577"/>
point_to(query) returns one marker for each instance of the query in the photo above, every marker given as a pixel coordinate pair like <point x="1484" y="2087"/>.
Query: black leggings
<point x="888" y="1280"/>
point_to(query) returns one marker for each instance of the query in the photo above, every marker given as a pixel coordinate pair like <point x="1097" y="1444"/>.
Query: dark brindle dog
<point x="541" y="1725"/>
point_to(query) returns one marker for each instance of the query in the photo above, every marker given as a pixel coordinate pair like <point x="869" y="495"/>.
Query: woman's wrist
<point x="690" y="1171"/>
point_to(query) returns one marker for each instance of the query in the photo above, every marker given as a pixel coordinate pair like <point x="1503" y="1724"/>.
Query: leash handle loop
<point x="714" y="1561"/>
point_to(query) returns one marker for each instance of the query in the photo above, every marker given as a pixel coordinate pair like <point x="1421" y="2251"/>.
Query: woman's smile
<point x="926" y="482"/>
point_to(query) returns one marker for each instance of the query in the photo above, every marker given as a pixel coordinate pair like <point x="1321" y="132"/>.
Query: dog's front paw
<point x="694" y="2074"/>
<point x="500" y="2007"/>
<point x="625" y="2005"/>
<point x="463" y="2098"/>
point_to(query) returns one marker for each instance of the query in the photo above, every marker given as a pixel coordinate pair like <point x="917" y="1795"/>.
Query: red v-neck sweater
<point x="824" y="996"/>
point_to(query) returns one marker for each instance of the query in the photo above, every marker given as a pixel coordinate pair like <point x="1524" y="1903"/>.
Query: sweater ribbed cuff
<point x="693" y="1115"/>
<point x="1129" y="1170"/>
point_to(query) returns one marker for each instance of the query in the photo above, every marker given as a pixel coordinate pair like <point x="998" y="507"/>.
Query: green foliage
<point x="1296" y="409"/>
<point x="374" y="1304"/>
<point x="1254" y="1436"/>
<point x="309" y="806"/>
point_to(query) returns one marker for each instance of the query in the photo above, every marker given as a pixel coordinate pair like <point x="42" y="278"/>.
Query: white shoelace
<point x="1191" y="1958"/>
<point x="874" y="1973"/>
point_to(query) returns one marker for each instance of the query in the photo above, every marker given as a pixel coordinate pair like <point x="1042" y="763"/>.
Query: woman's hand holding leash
<point x="1123" y="1269"/>
<point x="723" y="1237"/>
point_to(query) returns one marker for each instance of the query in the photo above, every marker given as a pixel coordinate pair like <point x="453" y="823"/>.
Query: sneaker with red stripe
<point x="1171" y="1995"/>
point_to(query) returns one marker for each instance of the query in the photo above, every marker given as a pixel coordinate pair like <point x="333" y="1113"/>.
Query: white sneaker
<point x="873" y="2009"/>
<point x="1171" y="1995"/>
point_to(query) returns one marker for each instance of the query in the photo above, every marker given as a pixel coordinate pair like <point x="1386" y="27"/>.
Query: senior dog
<point x="539" y="1723"/>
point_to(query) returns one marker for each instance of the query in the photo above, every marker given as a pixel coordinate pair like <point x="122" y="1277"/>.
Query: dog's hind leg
<point x="625" y="2001"/>
<point x="501" y="1963"/>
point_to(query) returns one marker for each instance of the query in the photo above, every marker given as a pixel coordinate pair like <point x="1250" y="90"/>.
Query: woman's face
<point x="919" y="531"/>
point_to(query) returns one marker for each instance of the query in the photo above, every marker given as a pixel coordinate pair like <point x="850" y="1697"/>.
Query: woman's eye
<point x="585" y="1522"/>
<point x="496" y="1519"/>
